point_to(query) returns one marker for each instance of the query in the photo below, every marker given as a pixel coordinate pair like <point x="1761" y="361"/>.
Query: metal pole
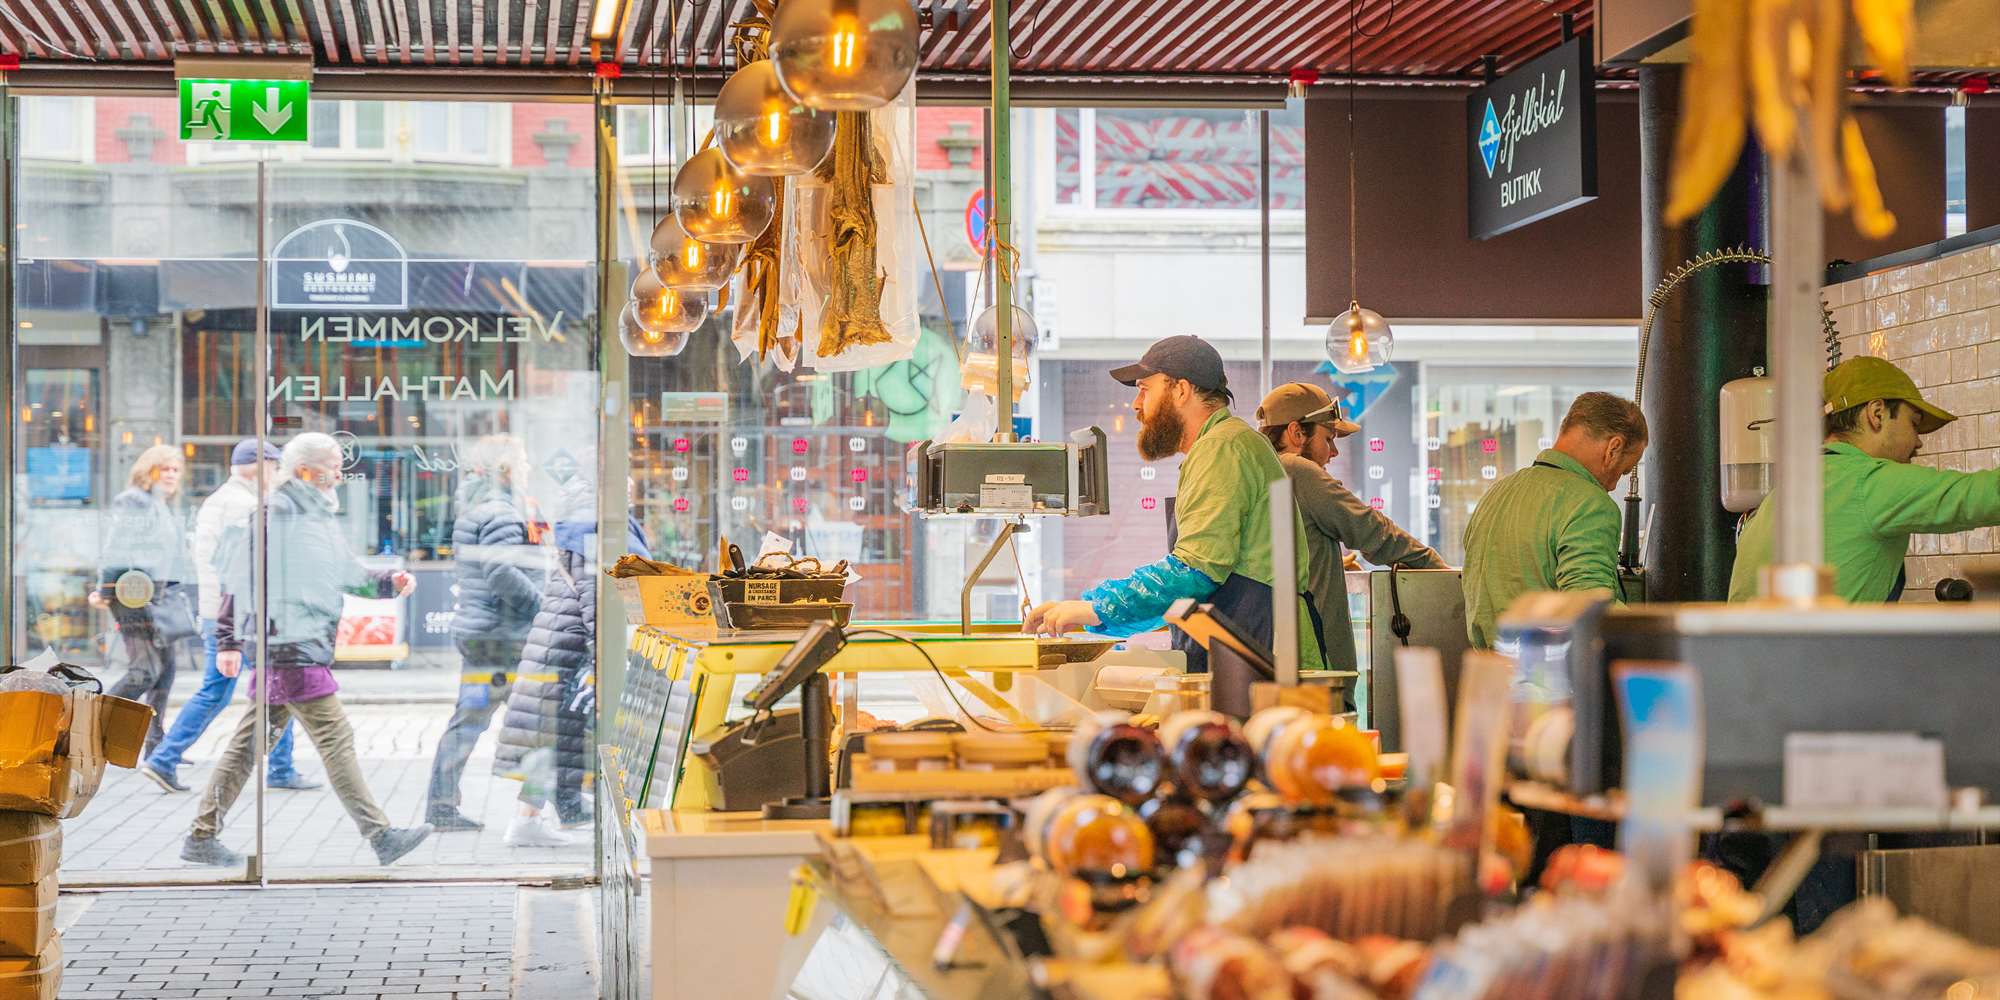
<point x="1264" y="243"/>
<point x="7" y="348"/>
<point x="259" y="541"/>
<point x="1284" y="585"/>
<point x="1797" y="362"/>
<point x="1002" y="198"/>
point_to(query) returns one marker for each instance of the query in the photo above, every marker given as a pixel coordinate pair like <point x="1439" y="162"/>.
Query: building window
<point x="353" y="127"/>
<point x="1173" y="159"/>
<point x="56" y="128"/>
<point x="441" y="130"/>
<point x="644" y="138"/>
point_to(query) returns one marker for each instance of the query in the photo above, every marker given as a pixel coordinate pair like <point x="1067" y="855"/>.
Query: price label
<point x="760" y="591"/>
<point x="1863" y="771"/>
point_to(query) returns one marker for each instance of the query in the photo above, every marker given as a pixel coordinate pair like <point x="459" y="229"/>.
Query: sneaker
<point x="393" y="843"/>
<point x="161" y="776"/>
<point x="534" y="831"/>
<point x="447" y="819"/>
<point x="294" y="782"/>
<point x="209" y="851"/>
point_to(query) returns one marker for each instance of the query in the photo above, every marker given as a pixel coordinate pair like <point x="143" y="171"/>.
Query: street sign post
<point x="244" y="110"/>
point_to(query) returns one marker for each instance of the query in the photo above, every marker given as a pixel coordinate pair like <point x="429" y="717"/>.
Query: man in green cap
<point x="1553" y="525"/>
<point x="1875" y="499"/>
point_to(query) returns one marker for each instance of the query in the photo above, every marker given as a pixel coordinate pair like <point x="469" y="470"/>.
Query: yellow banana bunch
<point x="1782" y="66"/>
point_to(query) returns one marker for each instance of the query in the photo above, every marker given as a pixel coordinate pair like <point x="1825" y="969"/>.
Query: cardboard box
<point x="667" y="600"/>
<point x="30" y="847"/>
<point x="35" y="978"/>
<point x="53" y="748"/>
<point x="27" y="918"/>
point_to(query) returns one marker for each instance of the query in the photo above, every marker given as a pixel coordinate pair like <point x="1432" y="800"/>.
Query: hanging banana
<point x="1780" y="66"/>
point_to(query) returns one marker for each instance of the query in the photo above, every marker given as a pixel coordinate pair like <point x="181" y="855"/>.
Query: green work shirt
<point x="1873" y="506"/>
<point x="1336" y="518"/>
<point x="1222" y="514"/>
<point x="1550" y="526"/>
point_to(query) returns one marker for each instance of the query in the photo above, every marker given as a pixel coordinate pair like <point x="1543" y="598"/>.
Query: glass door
<point x="428" y="540"/>
<point x="130" y="270"/>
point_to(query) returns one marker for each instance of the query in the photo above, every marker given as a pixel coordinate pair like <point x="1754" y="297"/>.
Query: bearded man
<point x="1219" y="527"/>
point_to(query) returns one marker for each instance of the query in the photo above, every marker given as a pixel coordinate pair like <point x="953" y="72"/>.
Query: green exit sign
<point x="244" y="110"/>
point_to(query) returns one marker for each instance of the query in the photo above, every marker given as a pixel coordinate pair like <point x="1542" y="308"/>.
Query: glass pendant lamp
<point x="763" y="131"/>
<point x="682" y="262"/>
<point x="1358" y="340"/>
<point x="844" y="55"/>
<point x="661" y="317"/>
<point x="643" y="343"/>
<point x="717" y="203"/>
<point x="982" y="347"/>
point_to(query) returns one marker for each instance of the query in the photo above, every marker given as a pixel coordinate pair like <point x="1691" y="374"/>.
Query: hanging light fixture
<point x="844" y="55"/>
<point x="1358" y="340"/>
<point x="683" y="262"/>
<point x="717" y="203"/>
<point x="982" y="353"/>
<point x="661" y="310"/>
<point x="640" y="342"/>
<point x="762" y="130"/>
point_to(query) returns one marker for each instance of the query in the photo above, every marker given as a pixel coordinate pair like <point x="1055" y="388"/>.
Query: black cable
<point x="946" y="681"/>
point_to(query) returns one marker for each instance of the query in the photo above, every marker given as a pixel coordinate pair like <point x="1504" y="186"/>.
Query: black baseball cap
<point x="1183" y="357"/>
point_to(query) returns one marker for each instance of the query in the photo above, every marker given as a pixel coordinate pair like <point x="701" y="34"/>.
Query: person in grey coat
<point x="1304" y="423"/>
<point x="146" y="579"/>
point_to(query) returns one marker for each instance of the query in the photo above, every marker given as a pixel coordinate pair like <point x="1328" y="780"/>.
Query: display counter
<point x="719" y="891"/>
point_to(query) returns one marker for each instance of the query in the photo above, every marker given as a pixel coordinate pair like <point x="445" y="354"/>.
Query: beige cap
<point x="1301" y="402"/>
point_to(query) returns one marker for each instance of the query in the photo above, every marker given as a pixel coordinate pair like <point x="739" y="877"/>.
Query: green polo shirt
<point x="1550" y="526"/>
<point x="1222" y="514"/>
<point x="1873" y="506"/>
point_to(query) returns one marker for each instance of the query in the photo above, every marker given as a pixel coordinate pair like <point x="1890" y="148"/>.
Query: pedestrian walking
<point x="309" y="568"/>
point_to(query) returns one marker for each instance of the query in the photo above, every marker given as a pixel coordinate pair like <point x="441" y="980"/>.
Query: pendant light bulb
<point x="762" y="130"/>
<point x="658" y="319"/>
<point x="844" y="55"/>
<point x="688" y="264"/>
<point x="1359" y="340"/>
<point x="717" y="203"/>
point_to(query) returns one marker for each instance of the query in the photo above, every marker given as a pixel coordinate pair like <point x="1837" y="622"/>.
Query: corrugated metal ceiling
<point x="1248" y="40"/>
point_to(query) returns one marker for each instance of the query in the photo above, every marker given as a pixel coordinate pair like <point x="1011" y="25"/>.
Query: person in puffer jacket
<point x="499" y="588"/>
<point x="545" y="737"/>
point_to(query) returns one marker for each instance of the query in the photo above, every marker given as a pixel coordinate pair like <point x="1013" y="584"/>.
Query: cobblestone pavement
<point x="416" y="942"/>
<point x="132" y="832"/>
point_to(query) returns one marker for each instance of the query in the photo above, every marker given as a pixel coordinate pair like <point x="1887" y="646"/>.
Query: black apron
<point x="1245" y="602"/>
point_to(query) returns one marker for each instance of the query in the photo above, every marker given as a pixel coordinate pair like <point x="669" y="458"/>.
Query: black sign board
<point x="1532" y="141"/>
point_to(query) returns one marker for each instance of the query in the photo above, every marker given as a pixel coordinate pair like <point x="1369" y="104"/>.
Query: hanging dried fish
<point x="853" y="313"/>
<point x="761" y="296"/>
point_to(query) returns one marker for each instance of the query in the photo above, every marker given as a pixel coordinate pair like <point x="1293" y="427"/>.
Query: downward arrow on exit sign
<point x="244" y="110"/>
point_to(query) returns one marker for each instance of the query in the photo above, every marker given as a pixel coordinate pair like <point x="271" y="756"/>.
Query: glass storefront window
<point x="1174" y="159"/>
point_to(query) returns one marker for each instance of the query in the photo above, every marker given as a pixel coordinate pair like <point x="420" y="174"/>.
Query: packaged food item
<point x="918" y="751"/>
<point x="1314" y="760"/>
<point x="967" y="825"/>
<point x="1113" y="756"/>
<point x="1209" y="757"/>
<point x="36" y="977"/>
<point x="1213" y="964"/>
<point x="998" y="751"/>
<point x="1097" y="837"/>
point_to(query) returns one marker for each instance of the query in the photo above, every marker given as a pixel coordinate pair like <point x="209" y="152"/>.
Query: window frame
<point x="1086" y="207"/>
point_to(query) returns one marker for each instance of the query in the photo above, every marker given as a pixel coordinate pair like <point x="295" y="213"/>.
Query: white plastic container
<point x="1744" y="412"/>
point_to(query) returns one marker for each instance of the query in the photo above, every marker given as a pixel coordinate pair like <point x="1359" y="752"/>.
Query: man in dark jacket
<point x="309" y="568"/>
<point x="499" y="587"/>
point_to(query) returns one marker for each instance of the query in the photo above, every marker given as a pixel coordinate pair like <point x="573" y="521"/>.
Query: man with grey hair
<point x="309" y="566"/>
<point x="1553" y="525"/>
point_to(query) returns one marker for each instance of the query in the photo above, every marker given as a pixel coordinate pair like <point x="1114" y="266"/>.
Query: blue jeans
<point x="201" y="710"/>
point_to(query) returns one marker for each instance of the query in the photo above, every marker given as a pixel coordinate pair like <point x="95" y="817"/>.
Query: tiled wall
<point x="1940" y="322"/>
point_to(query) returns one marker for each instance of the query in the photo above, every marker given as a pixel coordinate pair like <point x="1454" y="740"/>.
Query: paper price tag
<point x="760" y="592"/>
<point x="1006" y="497"/>
<point x="1864" y="771"/>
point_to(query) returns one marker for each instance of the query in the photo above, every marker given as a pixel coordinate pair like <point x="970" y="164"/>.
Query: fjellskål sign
<point x="1532" y="141"/>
